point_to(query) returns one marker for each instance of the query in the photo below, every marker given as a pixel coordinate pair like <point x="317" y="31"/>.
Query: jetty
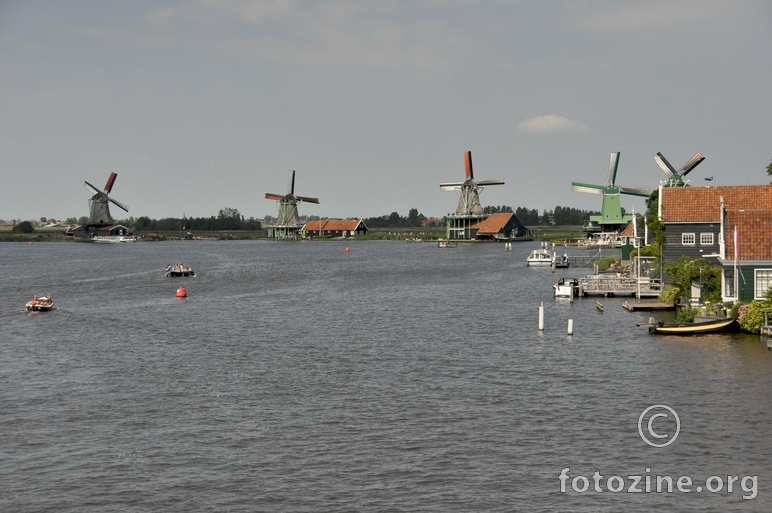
<point x="647" y="306"/>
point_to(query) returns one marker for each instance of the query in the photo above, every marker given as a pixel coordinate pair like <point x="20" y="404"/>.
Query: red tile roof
<point x="494" y="223"/>
<point x="332" y="225"/>
<point x="703" y="204"/>
<point x="754" y="234"/>
<point x="627" y="231"/>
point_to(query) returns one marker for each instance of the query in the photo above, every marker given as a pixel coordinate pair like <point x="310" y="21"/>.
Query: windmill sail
<point x="469" y="196"/>
<point x="99" y="209"/>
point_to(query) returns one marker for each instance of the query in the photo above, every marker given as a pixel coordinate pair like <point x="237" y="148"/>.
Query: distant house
<point x="702" y="222"/>
<point x="501" y="226"/>
<point x="335" y="228"/>
<point x="91" y="230"/>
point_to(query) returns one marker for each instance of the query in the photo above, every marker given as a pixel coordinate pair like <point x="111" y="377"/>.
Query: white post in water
<point x="570" y="326"/>
<point x="541" y="317"/>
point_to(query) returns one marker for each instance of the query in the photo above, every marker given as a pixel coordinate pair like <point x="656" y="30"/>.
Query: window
<point x="687" y="239"/>
<point x="763" y="283"/>
<point x="706" y="239"/>
<point x="729" y="283"/>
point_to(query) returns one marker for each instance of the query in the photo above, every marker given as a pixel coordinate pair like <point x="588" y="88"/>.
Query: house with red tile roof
<point x="706" y="221"/>
<point x="501" y="226"/>
<point x="335" y="228"/>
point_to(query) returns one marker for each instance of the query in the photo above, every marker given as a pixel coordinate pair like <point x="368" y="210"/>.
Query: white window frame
<point x="685" y="237"/>
<point x="765" y="278"/>
<point x="706" y="239"/>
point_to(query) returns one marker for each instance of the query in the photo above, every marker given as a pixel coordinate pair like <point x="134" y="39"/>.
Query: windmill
<point x="676" y="178"/>
<point x="611" y="218"/>
<point x="99" y="210"/>
<point x="469" y="200"/>
<point x="288" y="207"/>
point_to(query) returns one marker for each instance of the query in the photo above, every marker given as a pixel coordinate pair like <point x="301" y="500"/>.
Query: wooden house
<point x="335" y="228"/>
<point x="702" y="222"/>
<point x="503" y="226"/>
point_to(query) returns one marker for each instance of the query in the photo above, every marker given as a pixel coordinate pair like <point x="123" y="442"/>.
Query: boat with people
<point x="566" y="287"/>
<point x="446" y="244"/>
<point x="40" y="304"/>
<point x="693" y="328"/>
<point x="178" y="271"/>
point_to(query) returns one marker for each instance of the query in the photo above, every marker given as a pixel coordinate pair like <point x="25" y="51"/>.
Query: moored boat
<point x="539" y="258"/>
<point x="693" y="328"/>
<point x="40" y="304"/>
<point x="446" y="244"/>
<point x="567" y="287"/>
<point x="113" y="239"/>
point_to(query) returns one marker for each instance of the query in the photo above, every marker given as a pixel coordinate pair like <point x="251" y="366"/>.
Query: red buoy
<point x="348" y="250"/>
<point x="181" y="292"/>
<point x="30" y="243"/>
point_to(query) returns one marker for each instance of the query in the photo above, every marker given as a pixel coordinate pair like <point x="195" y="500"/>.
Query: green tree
<point x="412" y="217"/>
<point x="685" y="271"/>
<point x="24" y="227"/>
<point x="769" y="169"/>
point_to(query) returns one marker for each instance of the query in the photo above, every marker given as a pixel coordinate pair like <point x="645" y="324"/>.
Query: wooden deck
<point x="611" y="284"/>
<point x="647" y="306"/>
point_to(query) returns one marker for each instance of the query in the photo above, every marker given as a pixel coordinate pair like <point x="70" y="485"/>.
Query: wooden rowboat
<point x="694" y="328"/>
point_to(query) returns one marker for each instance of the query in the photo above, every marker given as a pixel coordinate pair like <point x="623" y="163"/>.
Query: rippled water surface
<point x="396" y="377"/>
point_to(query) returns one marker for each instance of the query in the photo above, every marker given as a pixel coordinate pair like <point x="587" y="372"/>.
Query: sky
<point x="199" y="105"/>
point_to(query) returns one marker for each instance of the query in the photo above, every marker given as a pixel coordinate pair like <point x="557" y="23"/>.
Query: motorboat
<point x="113" y="239"/>
<point x="541" y="257"/>
<point x="178" y="271"/>
<point x="40" y="304"/>
<point x="567" y="287"/>
<point x="446" y="244"/>
<point x="693" y="328"/>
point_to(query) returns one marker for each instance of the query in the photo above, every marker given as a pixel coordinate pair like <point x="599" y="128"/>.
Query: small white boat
<point x="446" y="244"/>
<point x="113" y="239"/>
<point x="566" y="287"/>
<point x="540" y="257"/>
<point x="40" y="304"/>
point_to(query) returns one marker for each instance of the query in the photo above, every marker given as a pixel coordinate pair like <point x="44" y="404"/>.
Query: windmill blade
<point x="693" y="162"/>
<point x="634" y="191"/>
<point x="493" y="181"/>
<point x="451" y="186"/>
<point x="307" y="199"/>
<point x="271" y="196"/>
<point x="118" y="203"/>
<point x="587" y="187"/>
<point x="613" y="163"/>
<point x="110" y="182"/>
<point x="468" y="163"/>
<point x="92" y="189"/>
<point x="664" y="164"/>
<point x="291" y="183"/>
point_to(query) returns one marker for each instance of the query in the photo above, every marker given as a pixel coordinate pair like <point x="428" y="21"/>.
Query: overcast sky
<point x="203" y="104"/>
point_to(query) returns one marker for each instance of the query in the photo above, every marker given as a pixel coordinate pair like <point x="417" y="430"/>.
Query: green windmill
<point x="611" y="218"/>
<point x="676" y="178"/>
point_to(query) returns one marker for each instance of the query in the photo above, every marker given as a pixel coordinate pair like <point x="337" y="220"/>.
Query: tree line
<point x="226" y="219"/>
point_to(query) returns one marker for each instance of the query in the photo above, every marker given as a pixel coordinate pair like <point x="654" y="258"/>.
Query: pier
<point x="614" y="284"/>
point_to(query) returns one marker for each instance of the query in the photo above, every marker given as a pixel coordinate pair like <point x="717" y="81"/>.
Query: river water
<point x="297" y="376"/>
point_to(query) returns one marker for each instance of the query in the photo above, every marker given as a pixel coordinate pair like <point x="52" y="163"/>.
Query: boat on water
<point x="566" y="287"/>
<point x="40" y="304"/>
<point x="414" y="239"/>
<point x="693" y="328"/>
<point x="446" y="244"/>
<point x="178" y="271"/>
<point x="539" y="257"/>
<point x="113" y="239"/>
